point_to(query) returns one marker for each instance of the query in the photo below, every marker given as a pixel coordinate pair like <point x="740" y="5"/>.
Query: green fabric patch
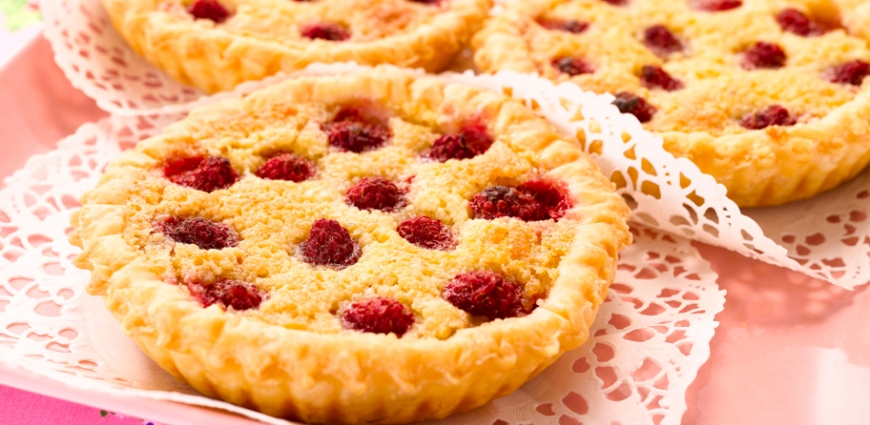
<point x="18" y="14"/>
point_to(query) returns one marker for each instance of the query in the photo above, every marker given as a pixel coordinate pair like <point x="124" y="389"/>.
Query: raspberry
<point x="227" y="293"/>
<point x="287" y="166"/>
<point x="471" y="141"/>
<point x="629" y="103"/>
<point x="435" y="2"/>
<point x="716" y="5"/>
<point x="573" y="66"/>
<point x="378" y="315"/>
<point x="795" y="21"/>
<point x="764" y="55"/>
<point x="616" y="2"/>
<point x="653" y="76"/>
<point x="485" y="293"/>
<point x="329" y="244"/>
<point x="325" y="31"/>
<point x="374" y="193"/>
<point x="350" y="131"/>
<point x="197" y="231"/>
<point x="772" y="115"/>
<point x="661" y="40"/>
<point x="572" y="26"/>
<point x="849" y="73"/>
<point x="427" y="233"/>
<point x="205" y="174"/>
<point x="530" y="201"/>
<point x="209" y="9"/>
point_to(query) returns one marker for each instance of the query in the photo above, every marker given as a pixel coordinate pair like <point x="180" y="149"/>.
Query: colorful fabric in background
<point x="24" y="408"/>
<point x="18" y="14"/>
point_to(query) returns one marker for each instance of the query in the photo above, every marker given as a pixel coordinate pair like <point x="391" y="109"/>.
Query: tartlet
<point x="769" y="97"/>
<point x="216" y="44"/>
<point x="373" y="247"/>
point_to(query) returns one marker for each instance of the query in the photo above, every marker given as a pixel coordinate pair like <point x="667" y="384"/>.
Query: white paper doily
<point x="649" y="339"/>
<point x="825" y="237"/>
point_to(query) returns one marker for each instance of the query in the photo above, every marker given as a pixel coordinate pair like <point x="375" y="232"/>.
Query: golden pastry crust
<point x="262" y="37"/>
<point x="828" y="144"/>
<point x="291" y="356"/>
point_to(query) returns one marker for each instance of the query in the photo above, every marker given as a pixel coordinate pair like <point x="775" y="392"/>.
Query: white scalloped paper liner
<point x="827" y="237"/>
<point x="648" y="341"/>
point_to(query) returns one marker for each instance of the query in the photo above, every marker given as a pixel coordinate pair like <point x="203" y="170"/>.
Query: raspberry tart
<point x="374" y="247"/>
<point x="216" y="44"/>
<point x="769" y="97"/>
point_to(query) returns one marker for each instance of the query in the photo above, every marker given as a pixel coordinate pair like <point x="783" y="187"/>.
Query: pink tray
<point x="789" y="350"/>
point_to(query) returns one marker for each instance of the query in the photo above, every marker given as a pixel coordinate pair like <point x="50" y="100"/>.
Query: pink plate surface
<point x="789" y="350"/>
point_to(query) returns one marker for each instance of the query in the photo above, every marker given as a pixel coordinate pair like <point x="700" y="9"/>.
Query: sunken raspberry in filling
<point x="329" y="244"/>
<point x="572" y="25"/>
<point x="374" y="193"/>
<point x="661" y="40"/>
<point x="795" y="21"/>
<point x="485" y="293"/>
<point x="655" y="77"/>
<point x="287" y="166"/>
<point x="852" y="72"/>
<point x="427" y="233"/>
<point x="573" y="66"/>
<point x="325" y="31"/>
<point x="227" y="293"/>
<point x="205" y="174"/>
<point x="772" y="115"/>
<point x="531" y="201"/>
<point x="630" y="103"/>
<point x="197" y="231"/>
<point x="471" y="141"/>
<point x="351" y="131"/>
<point x="378" y="315"/>
<point x="716" y="5"/>
<point x="616" y="2"/>
<point x="764" y="55"/>
<point x="209" y="9"/>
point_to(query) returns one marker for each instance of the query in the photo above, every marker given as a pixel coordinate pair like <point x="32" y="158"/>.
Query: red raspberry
<point x="572" y="26"/>
<point x="205" y="174"/>
<point x="329" y="244"/>
<point x="374" y="193"/>
<point x="849" y="73"/>
<point x="227" y="293"/>
<point x="653" y="76"/>
<point x="530" y="201"/>
<point x="630" y="103"/>
<point x="197" y="231"/>
<point x="350" y="131"/>
<point x="573" y="66"/>
<point x="485" y="293"/>
<point x="209" y="9"/>
<point x="661" y="40"/>
<point x="427" y="233"/>
<point x="716" y="5"/>
<point x="434" y="2"/>
<point x="325" y="31"/>
<point x="795" y="21"/>
<point x="449" y="146"/>
<point x="764" y="55"/>
<point x="471" y="141"/>
<point x="616" y="2"/>
<point x="772" y="115"/>
<point x="378" y="315"/>
<point x="287" y="166"/>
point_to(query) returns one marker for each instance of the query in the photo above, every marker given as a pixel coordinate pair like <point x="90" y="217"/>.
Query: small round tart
<point x="370" y="247"/>
<point x="767" y="96"/>
<point x="216" y="44"/>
